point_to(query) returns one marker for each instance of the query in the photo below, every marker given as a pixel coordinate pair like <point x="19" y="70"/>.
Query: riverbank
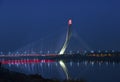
<point x="10" y="76"/>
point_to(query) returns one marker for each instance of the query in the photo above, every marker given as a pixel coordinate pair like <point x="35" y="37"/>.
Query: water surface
<point x="92" y="71"/>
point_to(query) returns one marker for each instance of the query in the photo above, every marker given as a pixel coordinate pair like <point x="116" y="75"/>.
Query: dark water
<point x="92" y="71"/>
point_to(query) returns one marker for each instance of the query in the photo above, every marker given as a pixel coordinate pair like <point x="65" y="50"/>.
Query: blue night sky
<point x="96" y="22"/>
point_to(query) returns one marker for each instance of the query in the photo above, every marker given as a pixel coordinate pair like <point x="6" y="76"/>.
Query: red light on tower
<point x="70" y="22"/>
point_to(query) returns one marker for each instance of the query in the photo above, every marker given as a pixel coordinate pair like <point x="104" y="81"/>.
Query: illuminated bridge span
<point x="61" y="52"/>
<point x="15" y="58"/>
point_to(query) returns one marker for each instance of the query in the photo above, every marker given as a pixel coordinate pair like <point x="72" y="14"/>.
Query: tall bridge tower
<point x="68" y="36"/>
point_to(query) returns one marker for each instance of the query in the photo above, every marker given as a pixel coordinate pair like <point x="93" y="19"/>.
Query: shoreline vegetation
<point x="10" y="76"/>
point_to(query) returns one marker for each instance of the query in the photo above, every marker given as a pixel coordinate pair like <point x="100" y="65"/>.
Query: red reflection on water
<point x="23" y="61"/>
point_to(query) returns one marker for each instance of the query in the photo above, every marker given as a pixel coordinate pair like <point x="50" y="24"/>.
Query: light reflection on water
<point x="92" y="71"/>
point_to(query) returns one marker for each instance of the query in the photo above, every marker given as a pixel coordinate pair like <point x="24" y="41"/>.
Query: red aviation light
<point x="70" y="22"/>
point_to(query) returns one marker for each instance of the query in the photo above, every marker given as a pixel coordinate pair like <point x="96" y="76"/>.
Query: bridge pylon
<point x="68" y="36"/>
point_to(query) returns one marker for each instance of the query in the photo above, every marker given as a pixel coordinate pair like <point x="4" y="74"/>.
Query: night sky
<point x="96" y="23"/>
